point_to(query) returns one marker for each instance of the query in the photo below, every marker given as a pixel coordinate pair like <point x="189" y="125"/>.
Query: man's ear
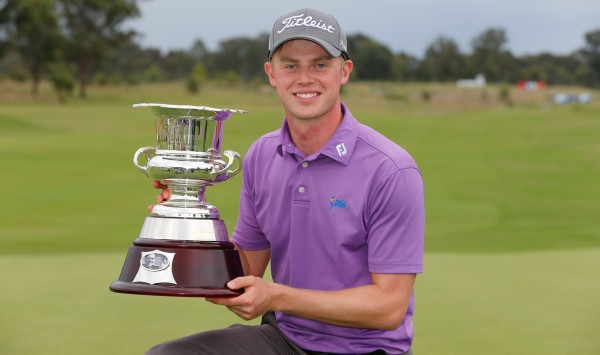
<point x="346" y="70"/>
<point x="270" y="74"/>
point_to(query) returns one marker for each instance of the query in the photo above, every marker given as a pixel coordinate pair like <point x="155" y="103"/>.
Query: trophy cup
<point x="183" y="248"/>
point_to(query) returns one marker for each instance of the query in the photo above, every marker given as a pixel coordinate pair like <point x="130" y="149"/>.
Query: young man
<point x="335" y="206"/>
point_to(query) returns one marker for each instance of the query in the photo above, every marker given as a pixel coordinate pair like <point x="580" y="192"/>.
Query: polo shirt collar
<point x="339" y="147"/>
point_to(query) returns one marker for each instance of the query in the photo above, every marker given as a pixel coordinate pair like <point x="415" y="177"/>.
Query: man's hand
<point x="165" y="194"/>
<point x="256" y="300"/>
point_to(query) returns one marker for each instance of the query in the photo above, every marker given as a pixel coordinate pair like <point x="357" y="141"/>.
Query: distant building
<point x="563" y="98"/>
<point x="478" y="82"/>
<point x="531" y="85"/>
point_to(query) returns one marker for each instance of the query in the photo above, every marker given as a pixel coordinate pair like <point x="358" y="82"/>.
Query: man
<point x="335" y="206"/>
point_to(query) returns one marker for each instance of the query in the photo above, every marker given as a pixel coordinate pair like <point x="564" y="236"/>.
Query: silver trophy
<point x="183" y="248"/>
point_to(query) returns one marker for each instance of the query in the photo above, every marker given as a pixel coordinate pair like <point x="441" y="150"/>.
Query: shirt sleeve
<point x="247" y="234"/>
<point x="396" y="224"/>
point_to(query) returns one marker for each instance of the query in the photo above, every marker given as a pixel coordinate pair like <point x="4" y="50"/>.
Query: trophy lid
<point x="188" y="111"/>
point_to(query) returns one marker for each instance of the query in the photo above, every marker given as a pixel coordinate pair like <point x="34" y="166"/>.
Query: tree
<point x="92" y="29"/>
<point x="490" y="56"/>
<point x="592" y="54"/>
<point x="177" y="64"/>
<point x="443" y="61"/>
<point x="550" y="68"/>
<point x="127" y="62"/>
<point x="404" y="67"/>
<point x="242" y="55"/>
<point x="31" y="27"/>
<point x="372" y="60"/>
<point x="198" y="50"/>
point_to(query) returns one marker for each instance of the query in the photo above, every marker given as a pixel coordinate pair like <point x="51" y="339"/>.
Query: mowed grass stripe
<point x="496" y="178"/>
<point x="522" y="303"/>
<point x="509" y="303"/>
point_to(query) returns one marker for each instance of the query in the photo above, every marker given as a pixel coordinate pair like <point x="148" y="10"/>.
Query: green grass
<point x="519" y="303"/>
<point x="497" y="178"/>
<point x="512" y="236"/>
<point x="68" y="172"/>
<point x="509" y="303"/>
<point x="60" y="304"/>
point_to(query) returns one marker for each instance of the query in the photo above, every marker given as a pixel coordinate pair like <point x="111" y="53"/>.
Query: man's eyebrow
<point x="323" y="58"/>
<point x="289" y="60"/>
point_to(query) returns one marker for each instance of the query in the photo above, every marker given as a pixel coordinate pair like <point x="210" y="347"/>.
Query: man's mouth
<point x="309" y="95"/>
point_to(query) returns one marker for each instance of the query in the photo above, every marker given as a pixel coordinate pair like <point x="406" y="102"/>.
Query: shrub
<point x="63" y="81"/>
<point x="153" y="74"/>
<point x="196" y="78"/>
<point x="192" y="85"/>
<point x="504" y="94"/>
<point x="426" y="95"/>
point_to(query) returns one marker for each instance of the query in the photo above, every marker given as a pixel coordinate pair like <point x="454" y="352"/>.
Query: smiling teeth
<point x="307" y="96"/>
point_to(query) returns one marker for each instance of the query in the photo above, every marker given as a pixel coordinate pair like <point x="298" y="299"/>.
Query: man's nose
<point x="304" y="75"/>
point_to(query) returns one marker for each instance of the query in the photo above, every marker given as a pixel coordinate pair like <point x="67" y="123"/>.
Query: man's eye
<point x="321" y="66"/>
<point x="290" y="67"/>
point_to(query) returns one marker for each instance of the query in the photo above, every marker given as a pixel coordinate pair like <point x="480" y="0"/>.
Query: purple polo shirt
<point x="332" y="218"/>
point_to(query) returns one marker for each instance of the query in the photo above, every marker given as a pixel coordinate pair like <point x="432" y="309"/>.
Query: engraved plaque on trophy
<point x="183" y="248"/>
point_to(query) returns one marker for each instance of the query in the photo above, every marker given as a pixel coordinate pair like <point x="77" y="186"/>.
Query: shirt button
<point x="305" y="164"/>
<point x="301" y="189"/>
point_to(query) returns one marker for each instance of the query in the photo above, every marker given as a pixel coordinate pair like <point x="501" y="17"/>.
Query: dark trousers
<point x="263" y="339"/>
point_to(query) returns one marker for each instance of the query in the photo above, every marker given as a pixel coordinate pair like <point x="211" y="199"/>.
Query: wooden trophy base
<point x="161" y="267"/>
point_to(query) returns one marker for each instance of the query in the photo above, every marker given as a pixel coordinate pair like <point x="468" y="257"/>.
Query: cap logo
<point x="299" y="20"/>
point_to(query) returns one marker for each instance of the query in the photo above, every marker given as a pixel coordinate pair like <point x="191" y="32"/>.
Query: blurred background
<point x="498" y="101"/>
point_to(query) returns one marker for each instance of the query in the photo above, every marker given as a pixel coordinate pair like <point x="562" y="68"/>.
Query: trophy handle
<point x="136" y="157"/>
<point x="231" y="157"/>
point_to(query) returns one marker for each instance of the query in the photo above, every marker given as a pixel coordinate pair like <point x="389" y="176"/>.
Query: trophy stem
<point x="186" y="192"/>
<point x="188" y="200"/>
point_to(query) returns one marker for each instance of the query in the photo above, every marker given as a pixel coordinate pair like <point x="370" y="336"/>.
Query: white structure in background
<point x="563" y="98"/>
<point x="478" y="82"/>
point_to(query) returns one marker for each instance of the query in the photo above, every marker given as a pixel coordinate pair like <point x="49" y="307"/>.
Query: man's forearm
<point x="380" y="305"/>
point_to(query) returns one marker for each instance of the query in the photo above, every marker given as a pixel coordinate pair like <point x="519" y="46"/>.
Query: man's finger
<point x="240" y="282"/>
<point x="223" y="301"/>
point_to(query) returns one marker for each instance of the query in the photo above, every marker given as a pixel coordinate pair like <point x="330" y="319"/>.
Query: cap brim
<point x="334" y="52"/>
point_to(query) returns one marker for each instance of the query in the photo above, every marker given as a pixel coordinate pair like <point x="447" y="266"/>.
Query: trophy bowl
<point x="183" y="248"/>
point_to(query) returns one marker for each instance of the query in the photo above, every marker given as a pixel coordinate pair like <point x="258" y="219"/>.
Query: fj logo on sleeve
<point x="341" y="149"/>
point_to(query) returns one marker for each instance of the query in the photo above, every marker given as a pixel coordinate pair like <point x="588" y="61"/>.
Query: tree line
<point x="82" y="41"/>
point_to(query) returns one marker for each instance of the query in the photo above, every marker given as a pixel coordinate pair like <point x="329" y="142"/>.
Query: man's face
<point x="307" y="79"/>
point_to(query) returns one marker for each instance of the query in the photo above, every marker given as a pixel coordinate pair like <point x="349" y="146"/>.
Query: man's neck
<point x="309" y="136"/>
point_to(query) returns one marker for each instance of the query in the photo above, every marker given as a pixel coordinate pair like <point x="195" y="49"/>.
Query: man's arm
<point x="254" y="262"/>
<point x="380" y="305"/>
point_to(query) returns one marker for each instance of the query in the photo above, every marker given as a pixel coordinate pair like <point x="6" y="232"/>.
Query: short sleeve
<point x="396" y="224"/>
<point x="247" y="234"/>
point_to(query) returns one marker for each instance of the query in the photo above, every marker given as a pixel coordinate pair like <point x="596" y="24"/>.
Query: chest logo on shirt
<point x="335" y="202"/>
<point x="341" y="149"/>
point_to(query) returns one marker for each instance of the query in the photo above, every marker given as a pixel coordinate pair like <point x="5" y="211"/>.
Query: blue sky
<point x="532" y="26"/>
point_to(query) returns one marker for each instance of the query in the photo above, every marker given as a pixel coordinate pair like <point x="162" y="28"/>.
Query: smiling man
<point x="336" y="208"/>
